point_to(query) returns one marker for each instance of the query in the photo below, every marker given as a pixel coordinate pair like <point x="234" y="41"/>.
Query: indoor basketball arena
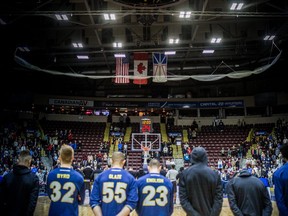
<point x="166" y="107"/>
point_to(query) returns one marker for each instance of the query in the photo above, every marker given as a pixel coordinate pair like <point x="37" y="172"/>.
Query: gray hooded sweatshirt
<point x="200" y="188"/>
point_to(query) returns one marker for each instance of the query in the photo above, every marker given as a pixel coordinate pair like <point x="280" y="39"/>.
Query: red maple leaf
<point x="140" y="68"/>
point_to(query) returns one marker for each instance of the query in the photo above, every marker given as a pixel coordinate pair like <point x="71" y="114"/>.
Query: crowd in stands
<point x="262" y="158"/>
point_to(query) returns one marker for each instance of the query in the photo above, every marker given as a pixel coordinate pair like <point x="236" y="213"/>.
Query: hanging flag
<point x="159" y="67"/>
<point x="122" y="69"/>
<point x="140" y="68"/>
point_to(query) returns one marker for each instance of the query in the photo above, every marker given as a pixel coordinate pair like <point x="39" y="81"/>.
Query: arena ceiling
<point x="41" y="33"/>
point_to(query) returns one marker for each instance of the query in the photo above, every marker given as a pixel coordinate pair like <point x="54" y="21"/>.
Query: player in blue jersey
<point x="114" y="190"/>
<point x="155" y="192"/>
<point x="65" y="186"/>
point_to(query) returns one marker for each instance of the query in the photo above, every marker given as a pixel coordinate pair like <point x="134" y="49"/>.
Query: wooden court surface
<point x="43" y="207"/>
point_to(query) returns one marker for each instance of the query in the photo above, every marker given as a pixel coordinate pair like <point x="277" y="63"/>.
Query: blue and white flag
<point x="159" y="67"/>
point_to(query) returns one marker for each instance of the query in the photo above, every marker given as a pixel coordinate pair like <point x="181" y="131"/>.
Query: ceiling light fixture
<point x="119" y="55"/>
<point x="77" y="45"/>
<point x="170" y="52"/>
<point x="61" y="17"/>
<point x="236" y="6"/>
<point x="185" y="14"/>
<point x="117" y="44"/>
<point x="109" y="16"/>
<point x="216" y="40"/>
<point x="173" y="40"/>
<point x="82" y="57"/>
<point x="208" y="51"/>
<point x="269" y="37"/>
<point x="24" y="49"/>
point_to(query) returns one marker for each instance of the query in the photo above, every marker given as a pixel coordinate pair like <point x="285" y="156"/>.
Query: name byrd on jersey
<point x="63" y="176"/>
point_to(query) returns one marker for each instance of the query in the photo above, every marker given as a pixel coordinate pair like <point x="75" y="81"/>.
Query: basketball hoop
<point x="145" y="148"/>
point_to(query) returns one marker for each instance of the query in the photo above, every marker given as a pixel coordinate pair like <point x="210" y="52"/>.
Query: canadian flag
<point x="140" y="68"/>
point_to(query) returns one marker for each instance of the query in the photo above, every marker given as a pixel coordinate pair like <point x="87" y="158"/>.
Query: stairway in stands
<point x="128" y="133"/>
<point x="163" y="132"/>
<point x="185" y="136"/>
<point x="107" y="132"/>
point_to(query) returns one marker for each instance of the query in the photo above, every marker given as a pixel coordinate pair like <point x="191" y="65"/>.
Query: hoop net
<point x="145" y="148"/>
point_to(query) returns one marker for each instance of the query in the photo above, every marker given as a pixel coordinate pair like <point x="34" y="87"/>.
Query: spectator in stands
<point x="194" y="125"/>
<point x="120" y="145"/>
<point x="171" y="175"/>
<point x="125" y="148"/>
<point x="188" y="150"/>
<point x="121" y="121"/>
<point x="128" y="121"/>
<point x="200" y="188"/>
<point x="186" y="157"/>
<point x="239" y="123"/>
<point x="132" y="172"/>
<point x="189" y="134"/>
<point x="170" y="150"/>
<point x="265" y="181"/>
<point x="87" y="172"/>
<point x="222" y="151"/>
<point x="280" y="180"/>
<point x="19" y="189"/>
<point x="99" y="157"/>
<point x="179" y="175"/>
<point x="224" y="180"/>
<point x="243" y="123"/>
<point x="109" y="118"/>
<point x="105" y="157"/>
<point x="186" y="145"/>
<point x="220" y="164"/>
<point x="70" y="136"/>
<point x="168" y="163"/>
<point x="247" y="195"/>
<point x="221" y="125"/>
<point x="105" y="147"/>
<point x="157" y="155"/>
<point x="165" y="150"/>
<point x="96" y="172"/>
<point x="41" y="176"/>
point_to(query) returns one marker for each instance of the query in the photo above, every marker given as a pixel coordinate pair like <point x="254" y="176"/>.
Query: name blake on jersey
<point x="154" y="180"/>
<point x="63" y="176"/>
<point x="116" y="176"/>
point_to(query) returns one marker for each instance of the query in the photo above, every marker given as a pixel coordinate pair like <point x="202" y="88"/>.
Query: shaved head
<point x="66" y="153"/>
<point x="154" y="163"/>
<point x="118" y="158"/>
<point x="154" y="166"/>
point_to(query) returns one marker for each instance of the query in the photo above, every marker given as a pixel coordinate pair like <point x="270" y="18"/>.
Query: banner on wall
<point x="176" y="105"/>
<point x="68" y="102"/>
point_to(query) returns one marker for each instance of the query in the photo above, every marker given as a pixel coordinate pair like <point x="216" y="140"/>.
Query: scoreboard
<point x="146" y="125"/>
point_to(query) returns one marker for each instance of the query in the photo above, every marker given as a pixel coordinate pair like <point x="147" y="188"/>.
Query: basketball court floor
<point x="85" y="210"/>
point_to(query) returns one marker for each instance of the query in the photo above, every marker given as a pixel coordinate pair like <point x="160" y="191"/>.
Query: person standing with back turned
<point x="19" y="189"/>
<point x="65" y="186"/>
<point x="280" y="180"/>
<point x="248" y="195"/>
<point x="200" y="188"/>
<point x="155" y="192"/>
<point x="114" y="190"/>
